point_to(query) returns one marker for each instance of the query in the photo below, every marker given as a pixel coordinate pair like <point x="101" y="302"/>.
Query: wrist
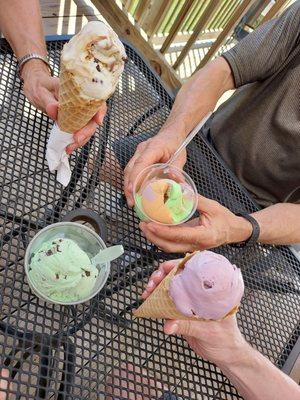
<point x="238" y="355"/>
<point x="33" y="67"/>
<point x="239" y="230"/>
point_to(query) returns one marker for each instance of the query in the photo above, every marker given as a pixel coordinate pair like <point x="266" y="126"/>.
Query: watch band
<point x="32" y="56"/>
<point x="255" y="231"/>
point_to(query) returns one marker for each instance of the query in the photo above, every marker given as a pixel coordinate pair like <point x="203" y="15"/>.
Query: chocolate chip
<point x="98" y="68"/>
<point x="193" y="312"/>
<point x="49" y="253"/>
<point x="208" y="284"/>
<point x="125" y="59"/>
<point x="94" y="80"/>
<point x="56" y="276"/>
<point x="29" y="269"/>
<point x="101" y="81"/>
<point x="65" y="276"/>
<point x="60" y="240"/>
<point x="58" y="249"/>
<point x="31" y="257"/>
<point x="96" y="60"/>
<point x="87" y="273"/>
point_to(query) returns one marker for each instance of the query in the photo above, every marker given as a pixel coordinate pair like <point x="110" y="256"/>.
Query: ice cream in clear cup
<point x="60" y="263"/>
<point x="165" y="195"/>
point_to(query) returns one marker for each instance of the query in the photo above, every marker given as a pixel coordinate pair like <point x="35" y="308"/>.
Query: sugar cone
<point x="160" y="305"/>
<point x="74" y="111"/>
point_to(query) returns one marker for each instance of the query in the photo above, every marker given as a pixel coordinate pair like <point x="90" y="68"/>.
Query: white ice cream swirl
<point x="96" y="58"/>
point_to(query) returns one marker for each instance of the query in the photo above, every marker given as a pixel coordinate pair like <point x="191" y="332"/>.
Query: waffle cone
<point x="160" y="305"/>
<point x="74" y="111"/>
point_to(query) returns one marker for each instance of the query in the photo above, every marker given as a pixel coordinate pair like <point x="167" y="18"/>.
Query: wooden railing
<point x="157" y="27"/>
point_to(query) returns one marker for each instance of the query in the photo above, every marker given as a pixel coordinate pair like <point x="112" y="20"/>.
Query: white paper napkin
<point x="56" y="156"/>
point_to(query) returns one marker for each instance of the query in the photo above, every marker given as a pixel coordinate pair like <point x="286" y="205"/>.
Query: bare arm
<point x="194" y="100"/>
<point x="217" y="225"/>
<point x="222" y="343"/>
<point x="199" y="96"/>
<point x="256" y="378"/>
<point x="279" y="224"/>
<point x="21" y="24"/>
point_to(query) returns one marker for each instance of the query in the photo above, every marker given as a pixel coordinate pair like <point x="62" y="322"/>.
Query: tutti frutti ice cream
<point x="91" y="65"/>
<point x="204" y="286"/>
<point x="164" y="201"/>
<point x="62" y="271"/>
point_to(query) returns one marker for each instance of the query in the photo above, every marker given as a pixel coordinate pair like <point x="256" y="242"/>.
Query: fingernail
<point x="150" y="285"/>
<point x="130" y="187"/>
<point x="158" y="274"/>
<point x="80" y="139"/>
<point x="173" y="329"/>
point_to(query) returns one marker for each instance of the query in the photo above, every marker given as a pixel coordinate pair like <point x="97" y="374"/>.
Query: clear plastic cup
<point x="88" y="240"/>
<point x="160" y="171"/>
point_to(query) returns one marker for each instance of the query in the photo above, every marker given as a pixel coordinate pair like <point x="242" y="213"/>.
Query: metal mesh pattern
<point x="98" y="348"/>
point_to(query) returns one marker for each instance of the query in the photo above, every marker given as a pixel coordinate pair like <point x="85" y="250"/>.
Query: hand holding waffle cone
<point x="202" y="286"/>
<point x="91" y="64"/>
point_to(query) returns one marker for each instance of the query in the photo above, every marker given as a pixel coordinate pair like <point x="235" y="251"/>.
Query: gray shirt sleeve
<point x="263" y="52"/>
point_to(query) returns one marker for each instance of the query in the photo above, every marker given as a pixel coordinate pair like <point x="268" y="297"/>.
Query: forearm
<point x="21" y="25"/>
<point x="257" y="378"/>
<point x="198" y="96"/>
<point x="279" y="225"/>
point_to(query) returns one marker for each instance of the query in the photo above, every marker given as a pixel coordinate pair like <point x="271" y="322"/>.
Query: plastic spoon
<point x="108" y="254"/>
<point x="188" y="139"/>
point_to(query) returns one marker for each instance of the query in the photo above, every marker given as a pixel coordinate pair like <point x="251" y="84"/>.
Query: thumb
<point x="184" y="328"/>
<point x="52" y="109"/>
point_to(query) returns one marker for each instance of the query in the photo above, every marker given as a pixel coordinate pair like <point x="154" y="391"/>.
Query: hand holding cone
<point x="198" y="294"/>
<point x="91" y="64"/>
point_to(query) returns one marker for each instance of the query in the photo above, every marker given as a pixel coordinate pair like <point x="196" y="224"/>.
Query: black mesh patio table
<point x="80" y="352"/>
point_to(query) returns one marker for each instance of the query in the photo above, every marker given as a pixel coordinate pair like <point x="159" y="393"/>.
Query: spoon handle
<point x="107" y="255"/>
<point x="190" y="137"/>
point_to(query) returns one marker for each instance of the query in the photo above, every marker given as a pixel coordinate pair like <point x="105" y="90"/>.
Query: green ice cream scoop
<point x="62" y="271"/>
<point x="180" y="205"/>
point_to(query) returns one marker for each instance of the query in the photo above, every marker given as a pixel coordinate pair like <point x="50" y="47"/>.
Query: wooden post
<point x="140" y="10"/>
<point x="123" y="27"/>
<point x="176" y="25"/>
<point x="128" y="4"/>
<point x="203" y="21"/>
<point x="274" y="10"/>
<point x="228" y="28"/>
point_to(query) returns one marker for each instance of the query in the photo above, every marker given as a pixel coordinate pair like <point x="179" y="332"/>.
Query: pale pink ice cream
<point x="208" y="287"/>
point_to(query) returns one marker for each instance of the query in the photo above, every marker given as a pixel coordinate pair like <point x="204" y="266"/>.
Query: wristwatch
<point x="32" y="56"/>
<point x="254" y="235"/>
